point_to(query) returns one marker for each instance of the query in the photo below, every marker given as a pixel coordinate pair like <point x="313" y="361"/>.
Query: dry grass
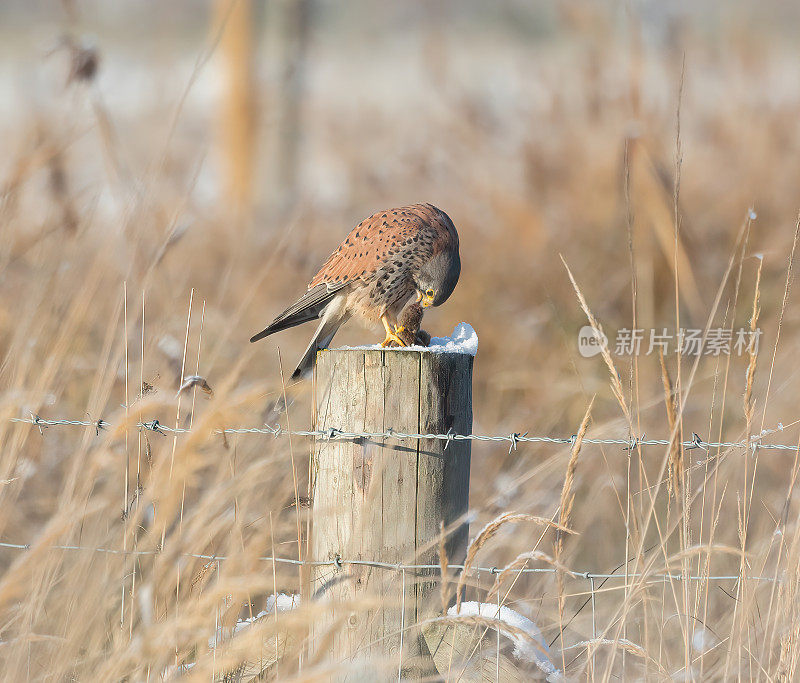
<point x="490" y="530"/>
<point x="138" y="256"/>
<point x="675" y="450"/>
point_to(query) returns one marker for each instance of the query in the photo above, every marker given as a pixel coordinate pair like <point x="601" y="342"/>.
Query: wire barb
<point x="36" y="420"/>
<point x="696" y="442"/>
<point x="153" y="426"/>
<point x="515" y="438"/>
<point x="634" y="443"/>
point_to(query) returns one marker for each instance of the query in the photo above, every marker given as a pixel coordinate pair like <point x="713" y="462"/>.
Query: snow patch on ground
<point x="703" y="640"/>
<point x="524" y="649"/>
<point x="463" y="340"/>
<point x="283" y="602"/>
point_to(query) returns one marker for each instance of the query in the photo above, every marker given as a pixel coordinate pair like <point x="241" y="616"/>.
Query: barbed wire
<point x="332" y="433"/>
<point x="513" y="439"/>
<point x="400" y="567"/>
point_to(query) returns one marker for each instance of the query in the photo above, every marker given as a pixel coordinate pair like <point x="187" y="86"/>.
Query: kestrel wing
<point x="368" y="247"/>
<point x="307" y="307"/>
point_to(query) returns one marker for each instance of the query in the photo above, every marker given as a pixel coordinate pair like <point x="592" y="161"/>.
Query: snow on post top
<point x="463" y="340"/>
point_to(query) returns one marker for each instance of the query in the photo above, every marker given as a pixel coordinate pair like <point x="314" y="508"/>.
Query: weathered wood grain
<point x="386" y="500"/>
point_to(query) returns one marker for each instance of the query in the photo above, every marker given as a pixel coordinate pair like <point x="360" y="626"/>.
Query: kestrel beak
<point x="424" y="299"/>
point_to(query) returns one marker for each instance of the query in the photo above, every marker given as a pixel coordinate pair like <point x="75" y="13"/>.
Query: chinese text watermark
<point x="719" y="341"/>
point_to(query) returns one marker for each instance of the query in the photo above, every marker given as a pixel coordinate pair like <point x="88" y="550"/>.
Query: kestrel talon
<point x="385" y="261"/>
<point x="408" y="326"/>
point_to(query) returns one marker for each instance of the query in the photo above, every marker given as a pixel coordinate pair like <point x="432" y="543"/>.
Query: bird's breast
<point x="387" y="290"/>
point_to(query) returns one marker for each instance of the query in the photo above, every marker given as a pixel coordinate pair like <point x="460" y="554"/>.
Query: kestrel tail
<point x="386" y="260"/>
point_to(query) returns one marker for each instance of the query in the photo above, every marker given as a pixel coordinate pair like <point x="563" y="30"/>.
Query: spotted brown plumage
<point x="386" y="260"/>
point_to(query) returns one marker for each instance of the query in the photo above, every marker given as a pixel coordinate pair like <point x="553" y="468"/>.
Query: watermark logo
<point x="591" y="342"/>
<point x="688" y="342"/>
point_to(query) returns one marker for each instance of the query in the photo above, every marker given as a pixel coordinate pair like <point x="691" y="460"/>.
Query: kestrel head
<point x="437" y="279"/>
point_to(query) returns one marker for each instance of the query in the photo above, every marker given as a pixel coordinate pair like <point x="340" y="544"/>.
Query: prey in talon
<point x="397" y="256"/>
<point x="409" y="327"/>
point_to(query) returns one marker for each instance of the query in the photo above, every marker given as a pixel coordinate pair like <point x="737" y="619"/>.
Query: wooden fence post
<point x="387" y="499"/>
<point x="237" y="112"/>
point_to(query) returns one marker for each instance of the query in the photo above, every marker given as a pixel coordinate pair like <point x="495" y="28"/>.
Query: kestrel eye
<point x="429" y="293"/>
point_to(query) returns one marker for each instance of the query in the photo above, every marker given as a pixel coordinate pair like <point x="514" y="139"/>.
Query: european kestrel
<point x="386" y="260"/>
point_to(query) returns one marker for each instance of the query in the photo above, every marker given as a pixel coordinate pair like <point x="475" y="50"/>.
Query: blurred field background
<point x="173" y="174"/>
